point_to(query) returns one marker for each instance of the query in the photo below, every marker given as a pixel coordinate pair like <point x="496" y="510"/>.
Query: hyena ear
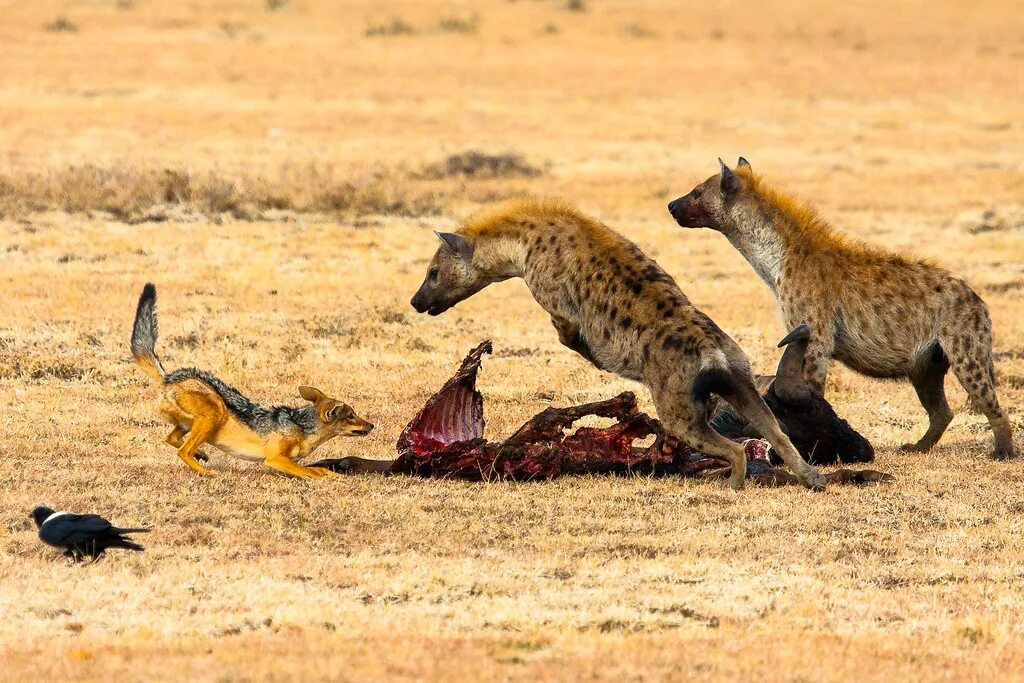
<point x="741" y="162"/>
<point x="312" y="394"/>
<point x="729" y="183"/>
<point x="457" y="244"/>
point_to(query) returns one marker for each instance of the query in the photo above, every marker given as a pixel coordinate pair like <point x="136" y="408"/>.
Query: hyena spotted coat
<point x="881" y="314"/>
<point x="618" y="309"/>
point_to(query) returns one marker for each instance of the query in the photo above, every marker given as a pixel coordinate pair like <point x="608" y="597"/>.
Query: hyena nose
<point x="672" y="205"/>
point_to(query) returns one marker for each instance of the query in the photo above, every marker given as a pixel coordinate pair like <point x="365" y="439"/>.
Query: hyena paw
<point x="918" y="447"/>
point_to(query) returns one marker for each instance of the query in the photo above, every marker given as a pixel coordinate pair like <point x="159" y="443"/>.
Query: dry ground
<point x="264" y="166"/>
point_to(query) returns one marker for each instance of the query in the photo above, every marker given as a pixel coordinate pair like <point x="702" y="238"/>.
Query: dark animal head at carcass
<point x="808" y="419"/>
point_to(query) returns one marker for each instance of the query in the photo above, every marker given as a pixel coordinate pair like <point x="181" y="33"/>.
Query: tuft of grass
<point x="395" y="27"/>
<point x="474" y="164"/>
<point x="638" y="31"/>
<point x="576" y="6"/>
<point x="61" y="25"/>
<point x="458" y="24"/>
<point x="274" y="5"/>
<point x="139" y="195"/>
<point x="232" y="29"/>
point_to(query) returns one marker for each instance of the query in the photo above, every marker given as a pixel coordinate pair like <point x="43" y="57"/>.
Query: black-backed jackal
<point x="203" y="409"/>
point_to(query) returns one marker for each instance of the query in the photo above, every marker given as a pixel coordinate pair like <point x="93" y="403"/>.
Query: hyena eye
<point x="696" y="194"/>
<point x="432" y="275"/>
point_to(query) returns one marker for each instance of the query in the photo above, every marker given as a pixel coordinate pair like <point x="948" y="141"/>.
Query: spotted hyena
<point x="618" y="309"/>
<point x="880" y="313"/>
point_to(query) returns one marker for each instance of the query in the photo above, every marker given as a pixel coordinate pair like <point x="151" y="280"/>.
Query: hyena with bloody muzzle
<point x="617" y="308"/>
<point x="881" y="314"/>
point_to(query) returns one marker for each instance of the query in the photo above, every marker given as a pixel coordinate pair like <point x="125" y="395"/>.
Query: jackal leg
<point x="278" y="460"/>
<point x="204" y="412"/>
<point x="177" y="437"/>
<point x="928" y="379"/>
<point x="202" y="429"/>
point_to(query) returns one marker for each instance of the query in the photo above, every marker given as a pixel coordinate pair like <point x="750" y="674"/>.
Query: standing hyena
<point x="881" y="314"/>
<point x="617" y="308"/>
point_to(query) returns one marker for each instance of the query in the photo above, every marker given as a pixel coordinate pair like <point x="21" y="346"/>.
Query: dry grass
<point x="276" y="183"/>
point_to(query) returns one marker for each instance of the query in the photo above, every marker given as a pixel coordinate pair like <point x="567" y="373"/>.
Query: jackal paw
<point x="203" y="472"/>
<point x="736" y="484"/>
<point x="320" y="472"/>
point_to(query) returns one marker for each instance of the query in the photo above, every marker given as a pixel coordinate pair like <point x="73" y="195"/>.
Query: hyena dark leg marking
<point x="927" y="377"/>
<point x="749" y="404"/>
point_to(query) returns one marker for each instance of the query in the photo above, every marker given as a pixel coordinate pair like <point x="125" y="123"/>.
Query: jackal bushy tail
<point x="144" y="334"/>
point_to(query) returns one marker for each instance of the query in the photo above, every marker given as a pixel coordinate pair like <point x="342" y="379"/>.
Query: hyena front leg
<point x="928" y="378"/>
<point x="817" y="359"/>
<point x="970" y="355"/>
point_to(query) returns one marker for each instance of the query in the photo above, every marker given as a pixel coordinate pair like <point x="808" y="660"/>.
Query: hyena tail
<point x="714" y="376"/>
<point x="144" y="334"/>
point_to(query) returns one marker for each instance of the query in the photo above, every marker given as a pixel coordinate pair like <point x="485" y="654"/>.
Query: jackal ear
<point x="729" y="182"/>
<point x="457" y="244"/>
<point x="741" y="162"/>
<point x="312" y="394"/>
<point x="331" y="412"/>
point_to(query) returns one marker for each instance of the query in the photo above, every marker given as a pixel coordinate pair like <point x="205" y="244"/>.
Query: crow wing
<point x="74" y="530"/>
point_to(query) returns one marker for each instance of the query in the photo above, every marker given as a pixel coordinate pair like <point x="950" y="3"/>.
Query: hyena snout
<point x="427" y="301"/>
<point x="687" y="212"/>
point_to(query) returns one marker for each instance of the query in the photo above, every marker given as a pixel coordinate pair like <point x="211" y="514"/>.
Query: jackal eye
<point x="432" y="275"/>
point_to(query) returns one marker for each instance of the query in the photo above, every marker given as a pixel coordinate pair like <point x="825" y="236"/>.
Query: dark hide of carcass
<point x="821" y="436"/>
<point x="445" y="440"/>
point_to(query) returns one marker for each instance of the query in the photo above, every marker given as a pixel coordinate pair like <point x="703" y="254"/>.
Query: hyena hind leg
<point x="928" y="378"/>
<point x="685" y="418"/>
<point x="972" y="365"/>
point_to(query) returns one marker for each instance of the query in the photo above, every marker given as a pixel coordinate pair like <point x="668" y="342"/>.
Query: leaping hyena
<point x="880" y="313"/>
<point x="618" y="309"/>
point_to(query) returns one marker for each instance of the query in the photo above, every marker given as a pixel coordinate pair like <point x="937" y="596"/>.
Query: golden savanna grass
<point x="277" y="168"/>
